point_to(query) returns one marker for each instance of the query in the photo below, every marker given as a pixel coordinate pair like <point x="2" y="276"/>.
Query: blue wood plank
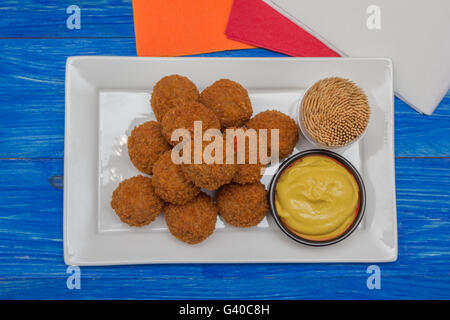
<point x="32" y="126"/>
<point x="31" y="261"/>
<point x="330" y="285"/>
<point x="47" y="19"/>
<point x="256" y="52"/>
<point x="418" y="135"/>
<point x="32" y="99"/>
<point x="32" y="87"/>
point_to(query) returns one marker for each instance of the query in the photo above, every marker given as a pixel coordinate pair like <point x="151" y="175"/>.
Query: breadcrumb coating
<point x="247" y="172"/>
<point x="145" y="145"/>
<point x="209" y="176"/>
<point x="170" y="91"/>
<point x="135" y="201"/>
<point x="170" y="183"/>
<point x="229" y="101"/>
<point x="243" y="205"/>
<point x="288" y="130"/>
<point x="184" y="115"/>
<point x="194" y="221"/>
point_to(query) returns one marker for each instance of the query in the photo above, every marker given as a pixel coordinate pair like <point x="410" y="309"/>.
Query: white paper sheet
<point x="415" y="34"/>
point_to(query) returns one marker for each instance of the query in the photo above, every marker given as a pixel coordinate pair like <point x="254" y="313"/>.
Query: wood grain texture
<point x="32" y="99"/>
<point x="47" y="19"/>
<point x="31" y="263"/>
<point x="34" y="44"/>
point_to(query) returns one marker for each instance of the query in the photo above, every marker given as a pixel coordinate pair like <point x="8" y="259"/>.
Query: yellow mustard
<point x="317" y="197"/>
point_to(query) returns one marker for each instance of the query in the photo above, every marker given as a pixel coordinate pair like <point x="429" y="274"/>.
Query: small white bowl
<point x="315" y="142"/>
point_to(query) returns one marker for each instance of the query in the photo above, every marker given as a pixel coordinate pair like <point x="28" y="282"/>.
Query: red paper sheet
<point x="256" y="23"/>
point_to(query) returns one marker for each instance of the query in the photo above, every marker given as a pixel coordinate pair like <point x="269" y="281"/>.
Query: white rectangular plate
<point x="107" y="96"/>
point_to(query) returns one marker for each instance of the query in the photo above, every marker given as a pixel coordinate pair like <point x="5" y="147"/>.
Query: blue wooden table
<point x="34" y="45"/>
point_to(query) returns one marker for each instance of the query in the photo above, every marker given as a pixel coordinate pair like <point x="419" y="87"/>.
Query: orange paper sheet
<point x="182" y="27"/>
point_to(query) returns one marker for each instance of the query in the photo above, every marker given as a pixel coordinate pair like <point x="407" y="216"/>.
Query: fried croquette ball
<point x="184" y="115"/>
<point x="243" y="205"/>
<point x="247" y="170"/>
<point x="170" y="91"/>
<point x="248" y="173"/>
<point x="145" y="145"/>
<point x="135" y="201"/>
<point x="170" y="183"/>
<point x="194" y="221"/>
<point x="288" y="131"/>
<point x="213" y="171"/>
<point x="229" y="101"/>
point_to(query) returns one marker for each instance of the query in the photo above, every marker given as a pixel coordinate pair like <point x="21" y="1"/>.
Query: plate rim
<point x="393" y="254"/>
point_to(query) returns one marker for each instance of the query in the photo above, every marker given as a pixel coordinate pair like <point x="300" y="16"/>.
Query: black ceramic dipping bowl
<point x="348" y="166"/>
